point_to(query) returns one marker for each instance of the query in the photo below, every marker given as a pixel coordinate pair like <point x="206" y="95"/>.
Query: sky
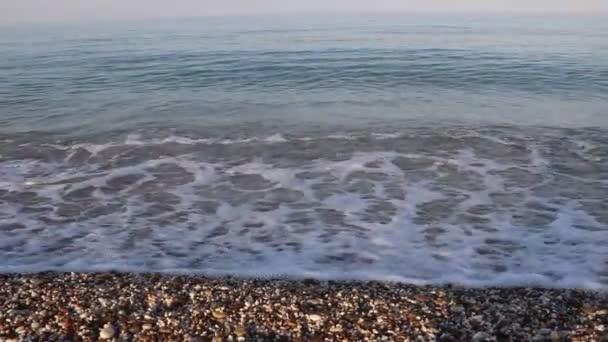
<point x="79" y="10"/>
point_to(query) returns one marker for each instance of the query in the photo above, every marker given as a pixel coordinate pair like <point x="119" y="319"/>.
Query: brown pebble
<point x="240" y="332"/>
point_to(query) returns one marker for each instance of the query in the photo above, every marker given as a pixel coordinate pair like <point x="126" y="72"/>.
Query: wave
<point x="472" y="206"/>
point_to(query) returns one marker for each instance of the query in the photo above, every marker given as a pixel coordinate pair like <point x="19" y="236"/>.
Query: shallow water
<point x="470" y="151"/>
<point x="478" y="206"/>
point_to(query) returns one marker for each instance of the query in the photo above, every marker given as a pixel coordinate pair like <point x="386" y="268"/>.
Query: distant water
<point x="422" y="149"/>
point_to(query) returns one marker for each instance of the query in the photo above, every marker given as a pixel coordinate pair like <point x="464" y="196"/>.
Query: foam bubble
<point x="429" y="216"/>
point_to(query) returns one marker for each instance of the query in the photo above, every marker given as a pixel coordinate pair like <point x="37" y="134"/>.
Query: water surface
<point x="424" y="149"/>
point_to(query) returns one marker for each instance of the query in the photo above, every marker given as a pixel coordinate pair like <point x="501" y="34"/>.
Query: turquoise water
<point x="425" y="149"/>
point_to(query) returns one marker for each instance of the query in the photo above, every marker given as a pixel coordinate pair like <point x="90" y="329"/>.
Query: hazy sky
<point x="68" y="10"/>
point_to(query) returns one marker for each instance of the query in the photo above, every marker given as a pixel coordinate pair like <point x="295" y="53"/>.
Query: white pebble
<point x="107" y="332"/>
<point x="315" y="317"/>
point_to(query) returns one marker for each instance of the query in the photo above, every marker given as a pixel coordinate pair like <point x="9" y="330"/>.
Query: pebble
<point x="107" y="332"/>
<point x="478" y="319"/>
<point x="36" y="282"/>
<point x="335" y="329"/>
<point x="240" y="332"/>
<point x="150" y="307"/>
<point x="446" y="337"/>
<point x="314" y="317"/>
<point x="458" y="308"/>
<point x="481" y="337"/>
<point x="218" y="314"/>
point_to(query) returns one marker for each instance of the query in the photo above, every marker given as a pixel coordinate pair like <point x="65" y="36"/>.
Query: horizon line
<point x="288" y="14"/>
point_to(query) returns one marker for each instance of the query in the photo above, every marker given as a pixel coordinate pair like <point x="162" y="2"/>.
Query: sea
<point x="428" y="149"/>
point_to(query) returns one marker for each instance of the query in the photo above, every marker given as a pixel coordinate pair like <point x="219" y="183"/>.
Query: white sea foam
<point x="422" y="218"/>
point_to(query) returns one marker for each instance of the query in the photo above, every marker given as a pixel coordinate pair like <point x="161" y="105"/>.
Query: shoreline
<point x="156" y="307"/>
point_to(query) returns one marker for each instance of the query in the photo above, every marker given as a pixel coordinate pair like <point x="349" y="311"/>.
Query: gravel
<point x="152" y="307"/>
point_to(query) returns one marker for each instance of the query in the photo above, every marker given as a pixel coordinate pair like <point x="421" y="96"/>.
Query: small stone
<point x="240" y="332"/>
<point x="588" y="309"/>
<point x="445" y="337"/>
<point x="218" y="314"/>
<point x="600" y="328"/>
<point x="36" y="282"/>
<point x="217" y="339"/>
<point x="316" y="338"/>
<point x="457" y="309"/>
<point x="35" y="325"/>
<point x="107" y="332"/>
<point x="314" y="317"/>
<point x="481" y="336"/>
<point x="170" y="301"/>
<point x="421" y="298"/>
<point x="335" y="329"/>
<point x="555" y="336"/>
<point x="314" y="301"/>
<point x="477" y="320"/>
<point x="146" y="326"/>
<point x="20" y="330"/>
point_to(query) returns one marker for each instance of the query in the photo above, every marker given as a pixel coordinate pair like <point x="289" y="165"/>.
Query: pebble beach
<point x="307" y="171"/>
<point x="153" y="307"/>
